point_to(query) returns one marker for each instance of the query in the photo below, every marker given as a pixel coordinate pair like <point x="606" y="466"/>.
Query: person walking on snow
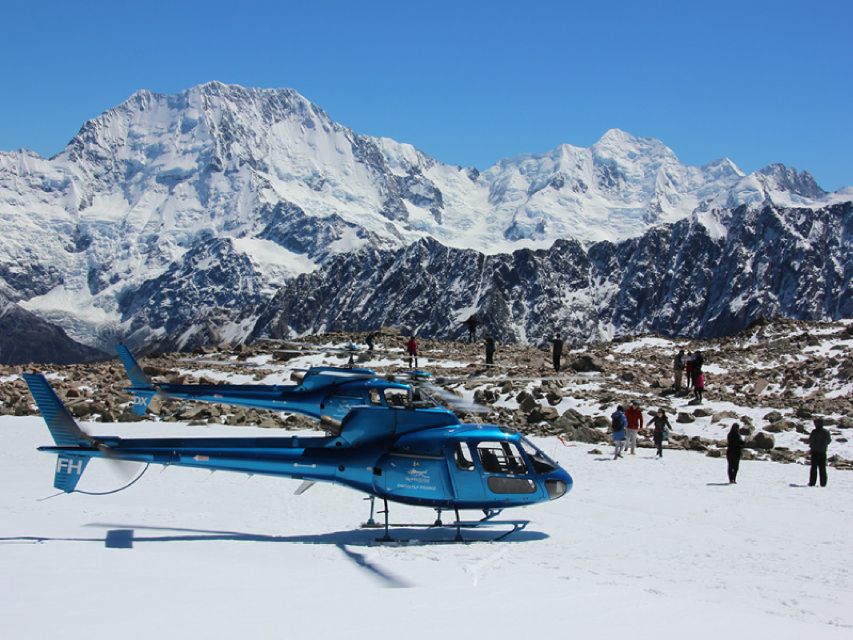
<point x="634" y="415"/>
<point x="661" y="430"/>
<point x="733" y="450"/>
<point x="556" y="352"/>
<point x="819" y="440"/>
<point x="412" y="350"/>
<point x="678" y="368"/>
<point x="618" y="425"/>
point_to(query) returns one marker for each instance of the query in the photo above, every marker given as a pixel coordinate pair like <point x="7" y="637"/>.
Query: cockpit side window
<point x="397" y="397"/>
<point x="462" y="455"/>
<point x="375" y="396"/>
<point x="501" y="457"/>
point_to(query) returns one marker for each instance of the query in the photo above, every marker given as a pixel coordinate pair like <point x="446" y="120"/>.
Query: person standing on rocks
<point x="661" y="430"/>
<point x="472" y="323"/>
<point x="699" y="387"/>
<point x="618" y="425"/>
<point x="412" y="350"/>
<point x="556" y="352"/>
<point x="634" y="415"/>
<point x="733" y="451"/>
<point x="370" y="341"/>
<point x="819" y="440"/>
<point x="688" y="370"/>
<point x="696" y="370"/>
<point x="678" y="368"/>
<point x="491" y="347"/>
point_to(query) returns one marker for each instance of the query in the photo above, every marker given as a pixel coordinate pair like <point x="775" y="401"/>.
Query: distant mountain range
<point x="223" y="213"/>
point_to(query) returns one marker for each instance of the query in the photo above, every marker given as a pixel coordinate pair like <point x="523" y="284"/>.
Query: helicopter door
<point x="413" y="476"/>
<point x="466" y="480"/>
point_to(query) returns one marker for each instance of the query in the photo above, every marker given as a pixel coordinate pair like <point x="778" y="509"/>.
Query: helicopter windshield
<point x="541" y="462"/>
<point x="412" y="398"/>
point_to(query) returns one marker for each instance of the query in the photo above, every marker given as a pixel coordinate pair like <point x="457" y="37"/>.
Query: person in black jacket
<point x="733" y="452"/>
<point x="491" y="347"/>
<point x="819" y="440"/>
<point x="556" y="351"/>
<point x="661" y="430"/>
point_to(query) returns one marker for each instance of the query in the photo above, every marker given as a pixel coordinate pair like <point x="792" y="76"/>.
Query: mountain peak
<point x="789" y="179"/>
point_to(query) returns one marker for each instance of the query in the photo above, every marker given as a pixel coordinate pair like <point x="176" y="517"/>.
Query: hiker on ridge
<point x="412" y="350"/>
<point x="556" y="352"/>
<point x="491" y="347"/>
<point x="678" y="368"/>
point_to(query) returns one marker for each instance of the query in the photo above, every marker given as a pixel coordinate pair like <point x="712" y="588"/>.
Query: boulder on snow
<point x="761" y="440"/>
<point x="773" y="416"/>
<point x="585" y="364"/>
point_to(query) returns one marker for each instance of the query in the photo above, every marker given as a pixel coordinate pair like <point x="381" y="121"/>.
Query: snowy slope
<point x="640" y="548"/>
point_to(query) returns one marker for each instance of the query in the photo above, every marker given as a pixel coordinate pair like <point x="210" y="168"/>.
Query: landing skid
<point x="487" y="521"/>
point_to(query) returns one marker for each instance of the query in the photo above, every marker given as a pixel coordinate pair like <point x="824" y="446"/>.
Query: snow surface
<point x="640" y="548"/>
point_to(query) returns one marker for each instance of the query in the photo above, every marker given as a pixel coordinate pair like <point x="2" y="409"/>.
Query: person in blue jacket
<point x="618" y="424"/>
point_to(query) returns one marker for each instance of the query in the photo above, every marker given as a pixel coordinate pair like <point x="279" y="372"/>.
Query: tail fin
<point x="64" y="429"/>
<point x="141" y="388"/>
<point x="131" y="366"/>
<point x="69" y="470"/>
<point x="62" y="426"/>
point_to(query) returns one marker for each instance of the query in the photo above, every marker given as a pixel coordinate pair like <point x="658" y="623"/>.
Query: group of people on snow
<point x="626" y="424"/>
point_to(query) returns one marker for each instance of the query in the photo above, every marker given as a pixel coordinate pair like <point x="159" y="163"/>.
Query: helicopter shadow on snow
<point x="127" y="536"/>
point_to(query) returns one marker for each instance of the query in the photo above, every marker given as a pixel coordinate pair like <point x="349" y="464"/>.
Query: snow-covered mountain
<point x="147" y="189"/>
<point x="684" y="279"/>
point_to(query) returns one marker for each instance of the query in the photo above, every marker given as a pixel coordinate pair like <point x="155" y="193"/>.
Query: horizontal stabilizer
<point x="62" y="426"/>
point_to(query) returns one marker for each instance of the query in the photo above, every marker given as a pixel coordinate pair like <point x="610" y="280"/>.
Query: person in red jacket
<point x="635" y="423"/>
<point x="412" y="350"/>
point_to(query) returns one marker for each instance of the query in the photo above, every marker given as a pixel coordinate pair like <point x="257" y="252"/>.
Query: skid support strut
<point x="387" y="537"/>
<point x="370" y="521"/>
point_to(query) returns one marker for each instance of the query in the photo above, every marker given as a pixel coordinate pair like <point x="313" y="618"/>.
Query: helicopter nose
<point x="558" y="484"/>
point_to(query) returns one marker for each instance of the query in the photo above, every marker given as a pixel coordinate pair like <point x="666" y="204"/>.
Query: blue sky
<point x="467" y="82"/>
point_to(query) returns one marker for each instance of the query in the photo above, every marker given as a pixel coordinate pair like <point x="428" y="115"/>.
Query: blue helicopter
<point x="324" y="393"/>
<point x="417" y="455"/>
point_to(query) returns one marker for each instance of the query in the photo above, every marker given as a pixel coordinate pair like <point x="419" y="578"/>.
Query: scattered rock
<point x="761" y="440"/>
<point x="684" y="418"/>
<point x="779" y="426"/>
<point x="759" y="386"/>
<point x="723" y="415"/>
<point x="773" y="416"/>
<point x="585" y="364"/>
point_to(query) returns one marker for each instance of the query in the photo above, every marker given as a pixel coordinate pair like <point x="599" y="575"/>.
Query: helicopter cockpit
<point x="401" y="398"/>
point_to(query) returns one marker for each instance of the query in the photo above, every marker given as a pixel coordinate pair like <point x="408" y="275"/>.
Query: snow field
<point x="646" y="547"/>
